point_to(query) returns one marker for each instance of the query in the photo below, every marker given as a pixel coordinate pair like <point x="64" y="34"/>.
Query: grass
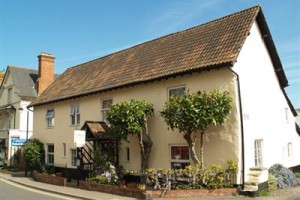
<point x="297" y="174"/>
<point x="263" y="193"/>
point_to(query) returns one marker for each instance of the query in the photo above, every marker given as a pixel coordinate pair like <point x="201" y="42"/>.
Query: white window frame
<point x="178" y="160"/>
<point x="50" y="155"/>
<point x="73" y="157"/>
<point x="50" y="113"/>
<point x="75" y="114"/>
<point x="9" y="95"/>
<point x="9" y="123"/>
<point x="258" y="152"/>
<point x="290" y="150"/>
<point x="170" y="89"/>
<point x="287" y="117"/>
<point x="105" y="108"/>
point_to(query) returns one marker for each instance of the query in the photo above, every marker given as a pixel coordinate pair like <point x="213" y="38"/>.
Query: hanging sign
<point x="79" y="138"/>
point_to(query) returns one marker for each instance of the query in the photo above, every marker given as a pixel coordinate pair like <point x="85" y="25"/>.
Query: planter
<point x="51" y="179"/>
<point x="149" y="194"/>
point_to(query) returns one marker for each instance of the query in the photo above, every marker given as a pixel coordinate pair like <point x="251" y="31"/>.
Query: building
<point x="234" y="53"/>
<point x="20" y="86"/>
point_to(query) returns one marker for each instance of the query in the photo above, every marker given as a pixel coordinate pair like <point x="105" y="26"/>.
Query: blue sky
<point x="76" y="31"/>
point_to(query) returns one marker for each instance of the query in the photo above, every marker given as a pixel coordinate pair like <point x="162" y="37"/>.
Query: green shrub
<point x="272" y="182"/>
<point x="34" y="154"/>
<point x="297" y="174"/>
<point x="263" y="193"/>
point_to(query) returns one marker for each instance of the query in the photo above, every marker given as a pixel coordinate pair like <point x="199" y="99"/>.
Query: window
<point x="258" y="153"/>
<point x="73" y="157"/>
<point x="176" y="91"/>
<point x="290" y="150"/>
<point x="50" y="154"/>
<point x="180" y="157"/>
<point x="127" y="154"/>
<point x="50" y="118"/>
<point x="75" y="115"/>
<point x="287" y="118"/>
<point x="106" y="104"/>
<point x="64" y="150"/>
<point x="9" y="123"/>
<point x="9" y="95"/>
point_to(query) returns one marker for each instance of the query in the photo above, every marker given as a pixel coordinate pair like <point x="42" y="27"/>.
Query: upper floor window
<point x="75" y="115"/>
<point x="176" y="91"/>
<point x="9" y="123"/>
<point x="50" y="118"/>
<point x="258" y="153"/>
<point x="9" y="95"/>
<point x="287" y="117"/>
<point x="106" y="104"/>
<point x="180" y="157"/>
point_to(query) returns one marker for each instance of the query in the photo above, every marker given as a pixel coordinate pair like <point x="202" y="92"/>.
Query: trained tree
<point x="193" y="113"/>
<point x="34" y="154"/>
<point x="131" y="118"/>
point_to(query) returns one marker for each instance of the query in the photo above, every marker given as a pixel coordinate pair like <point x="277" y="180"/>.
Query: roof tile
<point x="201" y="47"/>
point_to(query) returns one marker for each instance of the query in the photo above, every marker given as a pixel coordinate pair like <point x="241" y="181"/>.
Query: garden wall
<point x="148" y="194"/>
<point x="51" y="179"/>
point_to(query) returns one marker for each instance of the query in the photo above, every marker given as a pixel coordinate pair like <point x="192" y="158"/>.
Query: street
<point x="12" y="191"/>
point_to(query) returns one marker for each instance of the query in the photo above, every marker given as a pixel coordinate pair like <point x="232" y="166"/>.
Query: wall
<point x="221" y="143"/>
<point x="264" y="106"/>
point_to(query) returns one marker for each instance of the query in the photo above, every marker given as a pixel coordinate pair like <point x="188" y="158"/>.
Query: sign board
<point x="18" y="142"/>
<point x="79" y="138"/>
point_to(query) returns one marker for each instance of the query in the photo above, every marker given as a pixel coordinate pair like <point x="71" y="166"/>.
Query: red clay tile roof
<point x="213" y="44"/>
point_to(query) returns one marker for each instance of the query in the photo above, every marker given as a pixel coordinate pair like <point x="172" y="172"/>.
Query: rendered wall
<point x="221" y="143"/>
<point x="264" y="106"/>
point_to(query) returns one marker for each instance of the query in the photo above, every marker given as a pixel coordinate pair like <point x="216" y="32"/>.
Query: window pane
<point x="176" y="91"/>
<point x="50" y="113"/>
<point x="180" y="153"/>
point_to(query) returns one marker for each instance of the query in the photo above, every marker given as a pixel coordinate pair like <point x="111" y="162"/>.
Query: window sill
<point x="52" y="127"/>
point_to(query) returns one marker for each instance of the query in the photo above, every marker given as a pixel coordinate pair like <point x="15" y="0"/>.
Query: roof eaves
<point x="167" y="76"/>
<point x="266" y="35"/>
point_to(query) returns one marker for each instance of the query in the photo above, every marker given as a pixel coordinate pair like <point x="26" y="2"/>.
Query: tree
<point x="34" y="154"/>
<point x="193" y="113"/>
<point x="131" y="118"/>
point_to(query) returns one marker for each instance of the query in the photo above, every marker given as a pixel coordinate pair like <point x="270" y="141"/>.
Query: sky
<point x="77" y="31"/>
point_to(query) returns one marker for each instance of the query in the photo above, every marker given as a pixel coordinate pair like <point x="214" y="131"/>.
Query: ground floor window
<point x="290" y="150"/>
<point x="73" y="157"/>
<point x="180" y="157"/>
<point x="258" y="153"/>
<point x="50" y="154"/>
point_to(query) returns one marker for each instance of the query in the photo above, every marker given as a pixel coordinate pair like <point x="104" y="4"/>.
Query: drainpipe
<point x="242" y="125"/>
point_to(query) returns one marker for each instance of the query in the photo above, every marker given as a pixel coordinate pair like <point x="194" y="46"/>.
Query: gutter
<point x="242" y="126"/>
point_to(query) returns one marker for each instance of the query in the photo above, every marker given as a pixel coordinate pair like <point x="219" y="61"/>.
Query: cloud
<point x="177" y="15"/>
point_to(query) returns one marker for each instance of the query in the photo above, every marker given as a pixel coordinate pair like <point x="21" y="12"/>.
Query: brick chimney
<point x="46" y="71"/>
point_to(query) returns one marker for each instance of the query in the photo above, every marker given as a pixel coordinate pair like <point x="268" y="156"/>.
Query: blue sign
<point x="19" y="142"/>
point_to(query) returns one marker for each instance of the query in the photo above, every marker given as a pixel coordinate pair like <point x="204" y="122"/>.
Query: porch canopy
<point x="95" y="130"/>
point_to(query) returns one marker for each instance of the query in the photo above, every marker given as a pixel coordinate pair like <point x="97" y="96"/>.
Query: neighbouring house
<point x="19" y="87"/>
<point x="1" y="76"/>
<point x="234" y="53"/>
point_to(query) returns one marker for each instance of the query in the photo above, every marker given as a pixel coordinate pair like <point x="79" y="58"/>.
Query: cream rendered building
<point x="227" y="54"/>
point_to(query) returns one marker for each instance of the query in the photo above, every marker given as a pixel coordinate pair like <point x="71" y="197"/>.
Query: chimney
<point x="46" y="72"/>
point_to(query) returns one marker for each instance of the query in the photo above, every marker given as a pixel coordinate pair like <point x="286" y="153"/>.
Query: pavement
<point x="76" y="193"/>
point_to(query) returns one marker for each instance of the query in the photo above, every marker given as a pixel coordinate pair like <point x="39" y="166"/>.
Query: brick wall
<point x="50" y="179"/>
